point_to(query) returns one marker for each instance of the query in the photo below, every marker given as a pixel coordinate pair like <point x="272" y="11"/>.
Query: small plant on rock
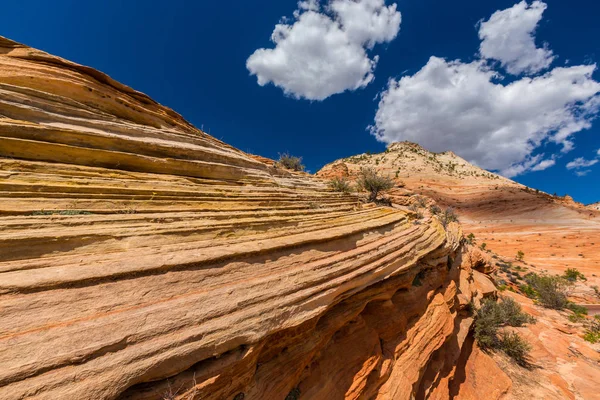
<point x="520" y="255"/>
<point x="373" y="183"/>
<point x="572" y="275"/>
<point x="435" y="210"/>
<point x="340" y="185"/>
<point x="448" y="216"/>
<point x="470" y="239"/>
<point x="515" y="347"/>
<point x="291" y="162"/>
<point x="550" y="290"/>
<point x="491" y="317"/>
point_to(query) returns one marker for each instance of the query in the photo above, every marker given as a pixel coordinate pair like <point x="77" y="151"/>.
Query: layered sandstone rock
<point x="141" y="258"/>
<point x="555" y="233"/>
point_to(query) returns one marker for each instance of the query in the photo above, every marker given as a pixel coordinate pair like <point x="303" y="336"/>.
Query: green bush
<point x="528" y="291"/>
<point x="435" y="210"/>
<point x="551" y="290"/>
<point x="572" y="274"/>
<point x="340" y="185"/>
<point x="448" y="216"/>
<point x="520" y="255"/>
<point x="577" y="309"/>
<point x="373" y="183"/>
<point x="470" y="239"/>
<point x="515" y="347"/>
<point x="512" y="314"/>
<point x="592" y="333"/>
<point x="494" y="315"/>
<point x="291" y="162"/>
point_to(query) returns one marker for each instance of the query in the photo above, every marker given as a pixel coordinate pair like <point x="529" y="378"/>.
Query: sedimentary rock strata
<point x="553" y="232"/>
<point x="141" y="258"/>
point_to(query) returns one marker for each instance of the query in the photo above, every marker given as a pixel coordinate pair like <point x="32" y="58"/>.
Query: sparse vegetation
<point x="435" y="210"/>
<point x="340" y="185"/>
<point x="291" y="162"/>
<point x="520" y="255"/>
<point x="470" y="239"/>
<point x="515" y="347"/>
<point x="550" y="290"/>
<point x="592" y="333"/>
<point x="373" y="183"/>
<point x="448" y="216"/>
<point x="572" y="275"/>
<point x="491" y="317"/>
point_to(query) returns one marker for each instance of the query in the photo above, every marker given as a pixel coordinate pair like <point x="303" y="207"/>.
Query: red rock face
<point x="141" y="258"/>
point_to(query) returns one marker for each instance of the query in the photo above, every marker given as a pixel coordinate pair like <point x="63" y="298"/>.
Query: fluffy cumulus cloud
<point x="471" y="109"/>
<point x="324" y="50"/>
<point x="508" y="36"/>
<point x="461" y="107"/>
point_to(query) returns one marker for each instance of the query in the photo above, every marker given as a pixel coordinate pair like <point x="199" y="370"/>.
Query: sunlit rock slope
<point x="554" y="232"/>
<point x="141" y="258"/>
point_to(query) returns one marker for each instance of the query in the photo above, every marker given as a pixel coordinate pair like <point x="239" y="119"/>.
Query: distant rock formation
<point x="594" y="206"/>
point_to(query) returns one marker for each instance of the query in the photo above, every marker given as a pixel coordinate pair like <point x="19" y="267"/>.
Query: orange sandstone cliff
<point x="141" y="258"/>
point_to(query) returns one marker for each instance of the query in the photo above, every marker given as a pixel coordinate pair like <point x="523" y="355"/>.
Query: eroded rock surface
<point x="555" y="233"/>
<point x="141" y="258"/>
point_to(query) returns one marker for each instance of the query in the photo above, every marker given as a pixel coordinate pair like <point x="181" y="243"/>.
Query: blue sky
<point x="192" y="55"/>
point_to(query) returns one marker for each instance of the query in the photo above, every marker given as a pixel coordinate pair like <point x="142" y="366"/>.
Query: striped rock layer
<point x="141" y="258"/>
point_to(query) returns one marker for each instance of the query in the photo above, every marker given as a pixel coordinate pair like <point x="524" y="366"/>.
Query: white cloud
<point x="583" y="173"/>
<point x="461" y="107"/>
<point x="324" y="51"/>
<point x="545" y="164"/>
<point x="581" y="162"/>
<point x="598" y="152"/>
<point x="508" y="36"/>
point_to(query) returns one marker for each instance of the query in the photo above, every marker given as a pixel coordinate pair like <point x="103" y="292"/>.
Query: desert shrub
<point x="421" y="201"/>
<point x="513" y="314"/>
<point x="514" y="346"/>
<point x="340" y="185"/>
<point x="551" y="290"/>
<point x="373" y="183"/>
<point x="592" y="333"/>
<point x="576" y="317"/>
<point x="488" y="321"/>
<point x="470" y="238"/>
<point x="494" y="315"/>
<point x="579" y="312"/>
<point x="483" y="246"/>
<point x="435" y="210"/>
<point x="528" y="291"/>
<point x="291" y="162"/>
<point x="572" y="274"/>
<point x="448" y="216"/>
